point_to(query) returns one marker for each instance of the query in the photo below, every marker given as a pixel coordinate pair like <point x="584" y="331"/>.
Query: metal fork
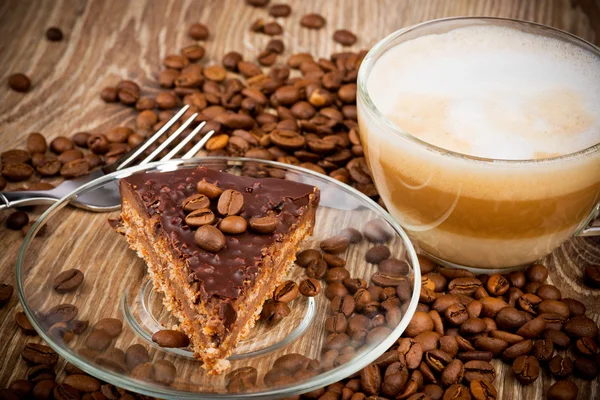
<point x="106" y="198"/>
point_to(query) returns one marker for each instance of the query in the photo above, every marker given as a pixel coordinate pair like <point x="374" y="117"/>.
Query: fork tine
<point x="198" y="146"/>
<point x="185" y="141"/>
<point x="153" y="139"/>
<point x="170" y="139"/>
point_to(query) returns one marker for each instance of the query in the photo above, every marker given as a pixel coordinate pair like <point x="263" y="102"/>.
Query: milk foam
<point x="491" y="92"/>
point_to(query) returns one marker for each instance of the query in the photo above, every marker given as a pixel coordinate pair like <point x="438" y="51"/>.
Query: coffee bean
<point x="344" y="37"/>
<point x="68" y="281"/>
<point x="456" y="314"/>
<point x="40" y="373"/>
<point x="170" y="338"/>
<point x="482" y="390"/>
<point x="562" y="390"/>
<point x="537" y="273"/>
<point x="209" y="238"/>
<point x="312" y="21"/>
<point x="280" y="10"/>
<point x="497" y="285"/>
<point x="98" y="144"/>
<point x="457" y="392"/>
<point x="586" y="368"/>
<point x="64" y="391"/>
<point x="377" y="254"/>
<point x="233" y="225"/>
<point x="82" y="383"/>
<point x="54" y="34"/>
<point x="337" y="274"/>
<point x="272" y="29"/>
<point x="581" y="326"/>
<point x="575" y="307"/>
<point x="43" y="389"/>
<point x="230" y="202"/>
<point x="316" y="269"/>
<point x="493" y="345"/>
<point x="36" y="143"/>
<point x="335" y="289"/>
<point x="74" y="168"/>
<point x="39" y="354"/>
<point x="560" y="339"/>
<point x="475" y="355"/>
<point x="109" y="94"/>
<point x="24" y="324"/>
<point x="304" y="257"/>
<point x="280" y="311"/>
<point x="112" y="326"/>
<point x="343" y="304"/>
<point x="98" y="340"/>
<point x="510" y="318"/>
<point x="335" y="244"/>
<point x="560" y="367"/>
<point x="479" y="370"/>
<point x="591" y="276"/>
<point x="532" y="329"/>
<point x="266" y="225"/>
<point x="60" y="313"/>
<point x="370" y="379"/>
<point x="248" y="69"/>
<point x="377" y="231"/>
<point x="19" y="82"/>
<point x="200" y="217"/>
<point x="17" y="220"/>
<point x="453" y="373"/>
<point x="309" y="287"/>
<point x="198" y="31"/>
<point x="286" y="292"/>
<point x="518" y="349"/>
<point x="543" y="350"/>
<point x="231" y="60"/>
<point x="195" y="202"/>
<point x="17" y="172"/>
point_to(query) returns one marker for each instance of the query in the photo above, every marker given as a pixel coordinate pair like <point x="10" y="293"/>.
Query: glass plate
<point x="116" y="285"/>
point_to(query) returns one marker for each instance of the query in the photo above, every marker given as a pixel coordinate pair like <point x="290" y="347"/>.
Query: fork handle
<point x="25" y="198"/>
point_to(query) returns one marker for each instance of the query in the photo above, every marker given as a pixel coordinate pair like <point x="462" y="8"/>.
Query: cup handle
<point x="591" y="227"/>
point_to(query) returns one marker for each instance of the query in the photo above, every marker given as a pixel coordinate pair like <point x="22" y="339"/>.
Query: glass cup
<point x="481" y="213"/>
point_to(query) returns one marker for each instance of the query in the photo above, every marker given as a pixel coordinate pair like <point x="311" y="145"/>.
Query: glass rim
<point x="124" y="382"/>
<point x="381" y="121"/>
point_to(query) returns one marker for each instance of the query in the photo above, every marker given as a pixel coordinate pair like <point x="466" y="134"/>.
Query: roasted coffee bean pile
<point x="462" y="322"/>
<point x="41" y="378"/>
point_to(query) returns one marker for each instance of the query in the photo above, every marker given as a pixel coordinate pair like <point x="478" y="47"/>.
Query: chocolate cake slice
<point x="216" y="246"/>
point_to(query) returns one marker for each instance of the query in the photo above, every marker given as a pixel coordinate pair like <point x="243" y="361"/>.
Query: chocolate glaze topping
<point x="229" y="272"/>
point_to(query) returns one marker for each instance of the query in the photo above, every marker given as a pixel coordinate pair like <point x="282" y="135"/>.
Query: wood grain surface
<point x="106" y="41"/>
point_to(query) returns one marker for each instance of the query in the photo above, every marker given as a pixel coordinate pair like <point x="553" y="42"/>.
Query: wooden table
<point x="113" y="39"/>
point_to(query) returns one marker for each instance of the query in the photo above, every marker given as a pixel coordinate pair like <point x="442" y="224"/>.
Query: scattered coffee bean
<point x="377" y="254"/>
<point x="280" y="10"/>
<point x="335" y="244"/>
<point x="591" y="276"/>
<point x="264" y="225"/>
<point x="199" y="31"/>
<point x="19" y="83"/>
<point x="35" y="354"/>
<point x="353" y="235"/>
<point x="210" y="238"/>
<point x="286" y="292"/>
<point x="562" y="390"/>
<point x="230" y="202"/>
<point x="67" y="281"/>
<point x="170" y="338"/>
<point x="17" y="220"/>
<point x="344" y="37"/>
<point x="309" y="287"/>
<point x="164" y="372"/>
<point x="98" y="340"/>
<point x="17" y="172"/>
<point x="312" y="21"/>
<point x="200" y="217"/>
<point x="54" y="34"/>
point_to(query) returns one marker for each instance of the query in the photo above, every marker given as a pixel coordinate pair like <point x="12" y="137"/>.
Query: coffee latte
<point x="512" y="102"/>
